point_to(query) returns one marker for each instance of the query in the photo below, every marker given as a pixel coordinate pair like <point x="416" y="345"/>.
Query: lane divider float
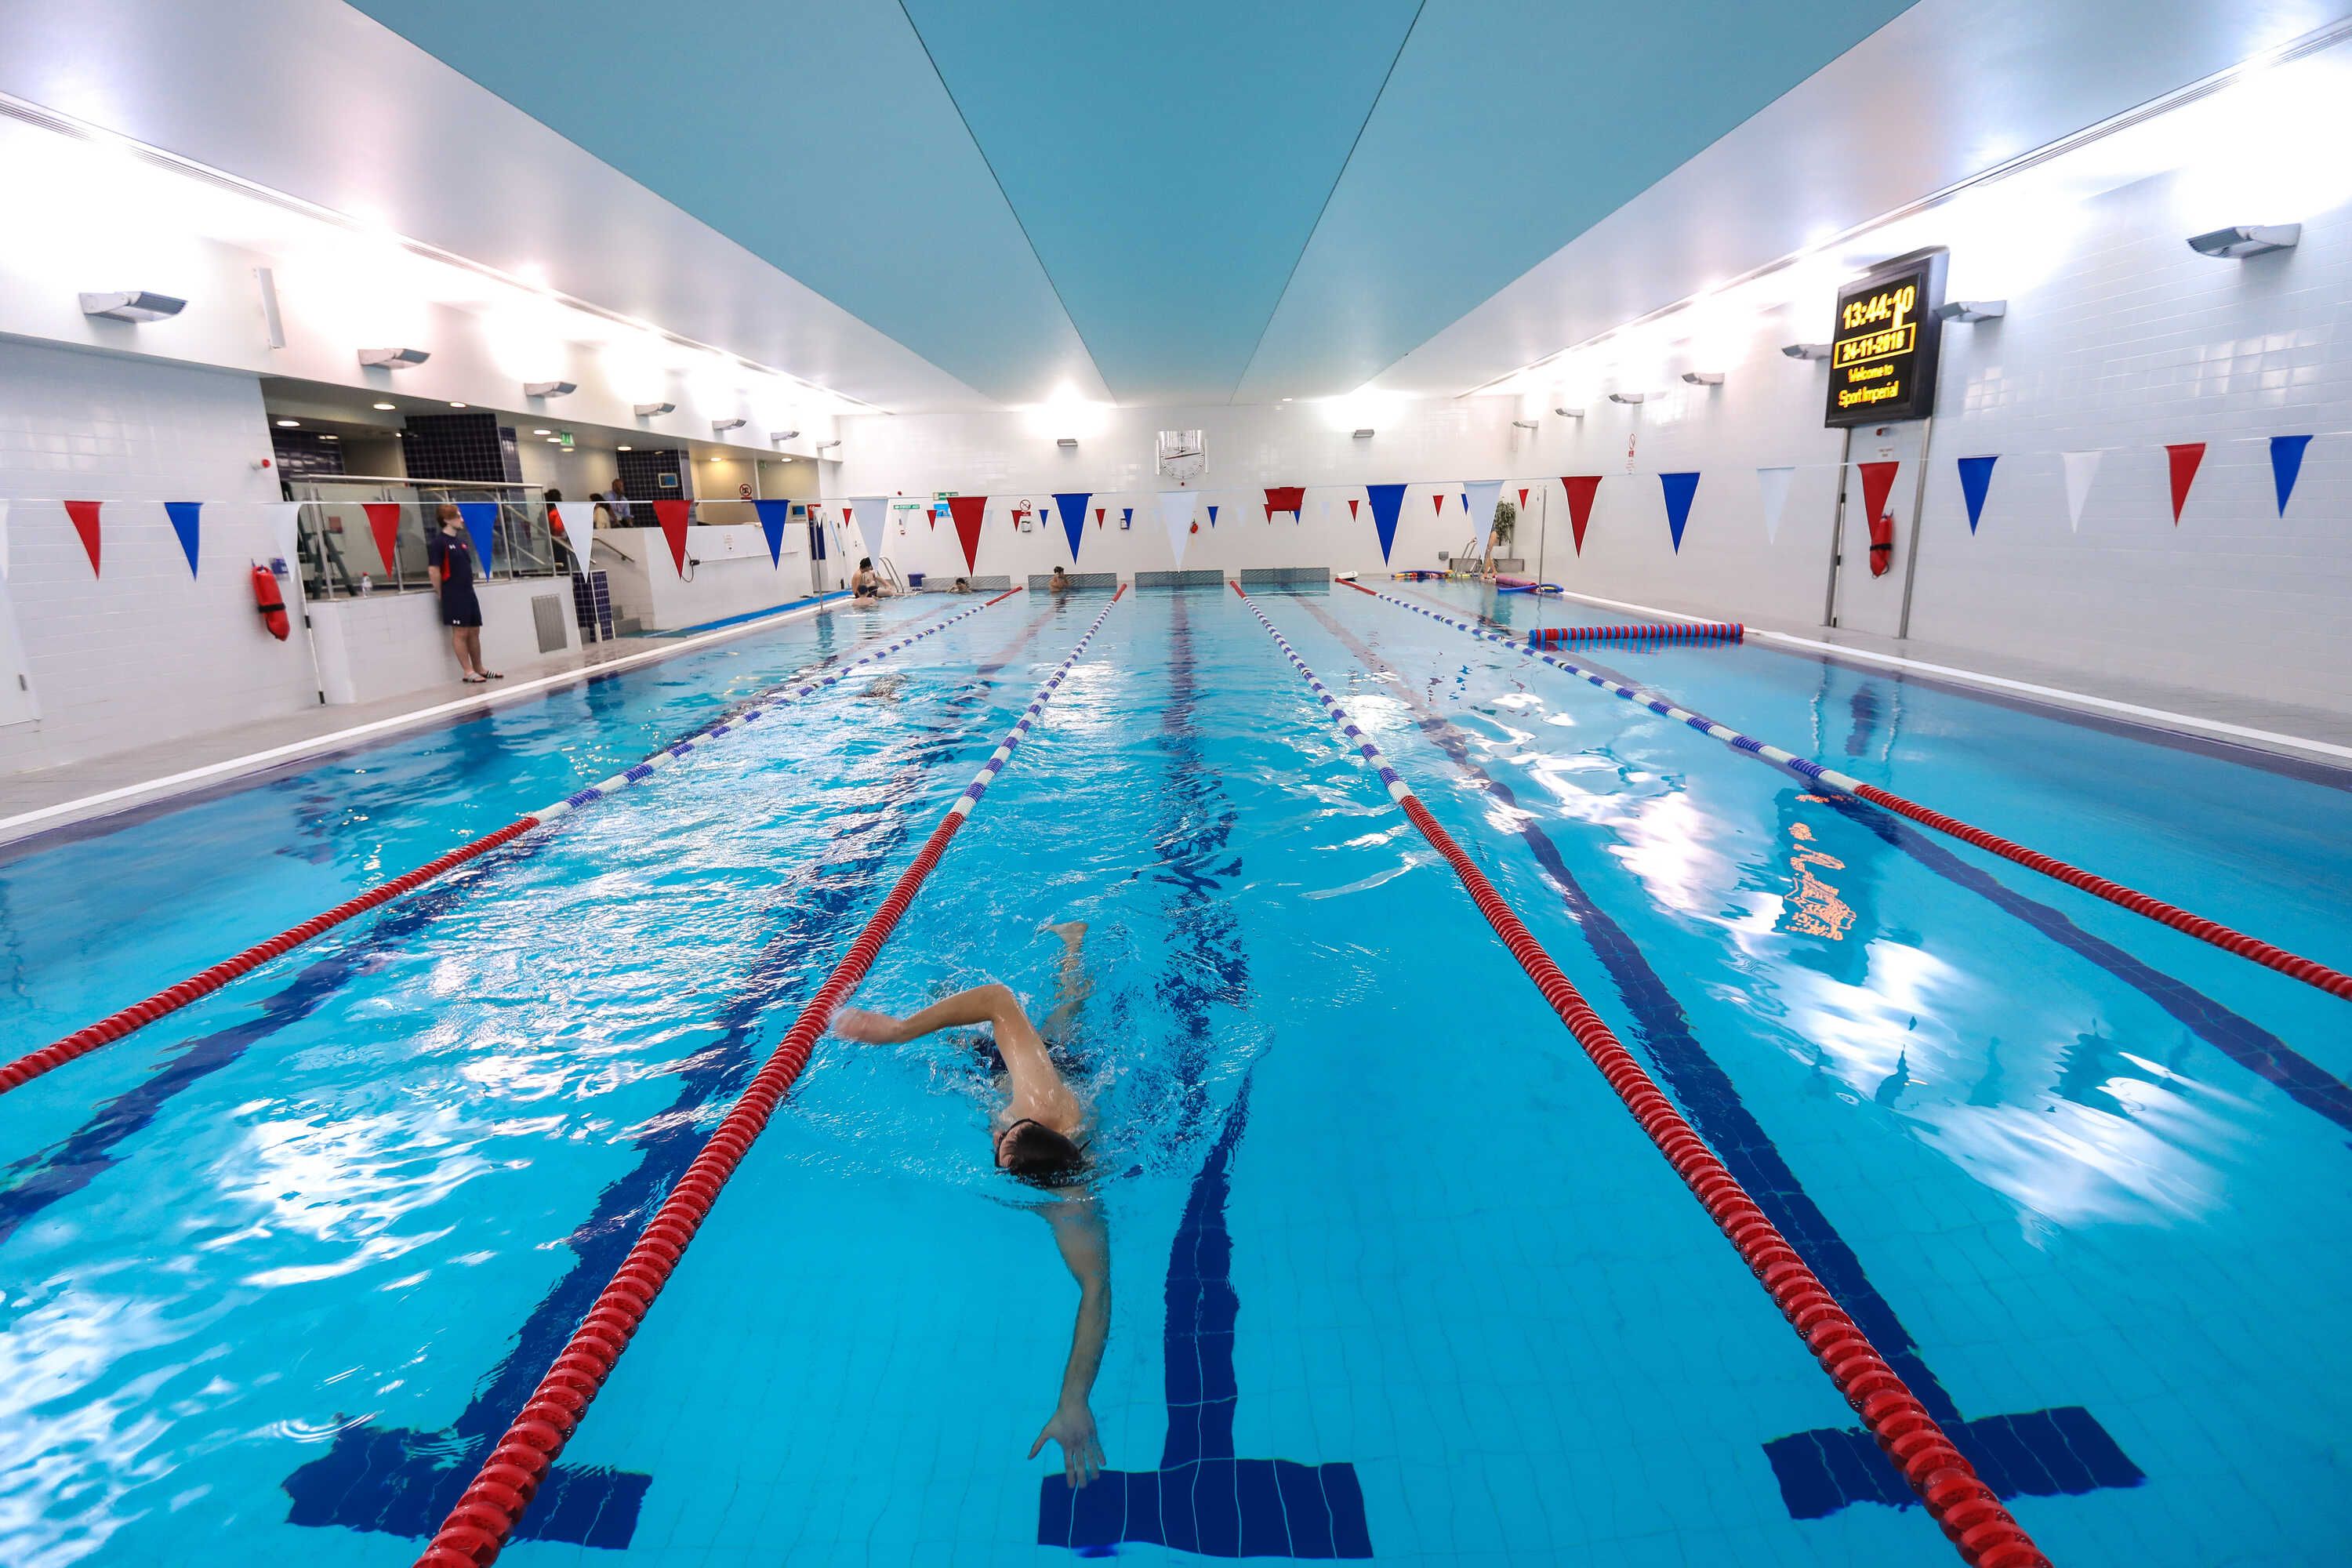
<point x="485" y="1515"/>
<point x="171" y="998"/>
<point x="1985" y="1533"/>
<point x="2311" y="972"/>
<point x="1675" y="631"/>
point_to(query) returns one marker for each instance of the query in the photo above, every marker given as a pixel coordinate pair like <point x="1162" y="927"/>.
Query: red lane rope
<point x="2311" y="972"/>
<point x="485" y="1515"/>
<point x="171" y="998"/>
<point x="1676" y="631"/>
<point x="1971" y="1516"/>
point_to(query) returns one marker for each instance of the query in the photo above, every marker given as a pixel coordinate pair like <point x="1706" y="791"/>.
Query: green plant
<point x="1506" y="518"/>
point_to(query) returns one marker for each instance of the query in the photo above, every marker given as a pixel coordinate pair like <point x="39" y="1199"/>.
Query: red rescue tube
<point x="270" y="603"/>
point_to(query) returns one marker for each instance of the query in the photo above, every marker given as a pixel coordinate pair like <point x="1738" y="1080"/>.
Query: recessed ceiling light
<point x="625" y="449"/>
<point x="290" y="424"/>
<point x="330" y="437"/>
<point x="555" y="440"/>
<point x="386" y="407"/>
<point x="542" y="432"/>
<point x="455" y="404"/>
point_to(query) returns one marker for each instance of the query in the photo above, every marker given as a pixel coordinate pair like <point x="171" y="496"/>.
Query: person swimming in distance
<point x="962" y="585"/>
<point x="1037" y="1135"/>
<point x="1061" y="582"/>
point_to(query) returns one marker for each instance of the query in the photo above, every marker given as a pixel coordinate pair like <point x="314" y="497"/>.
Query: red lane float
<point x="1971" y="1517"/>
<point x="2311" y="972"/>
<point x="1688" y="631"/>
<point x="171" y="998"/>
<point x="485" y="1515"/>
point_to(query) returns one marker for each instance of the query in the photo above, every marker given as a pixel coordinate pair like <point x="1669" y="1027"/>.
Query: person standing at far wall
<point x="451" y="558"/>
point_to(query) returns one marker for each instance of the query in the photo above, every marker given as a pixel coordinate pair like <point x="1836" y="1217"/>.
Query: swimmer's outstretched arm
<point x="1079" y="1232"/>
<point x="993" y="1004"/>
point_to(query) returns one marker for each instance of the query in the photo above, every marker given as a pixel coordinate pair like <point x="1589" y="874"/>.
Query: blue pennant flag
<point x="1679" y="490"/>
<point x="183" y="514"/>
<point x="773" y="515"/>
<point x="1213" y="517"/>
<point x="1386" y="500"/>
<point x="1976" y="475"/>
<point x="481" y="522"/>
<point x="2286" y="466"/>
<point x="1466" y="500"/>
<point x="1073" y="508"/>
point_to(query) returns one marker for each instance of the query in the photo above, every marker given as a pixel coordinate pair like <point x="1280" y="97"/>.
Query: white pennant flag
<point x="2079" y="469"/>
<point x="1481" y="497"/>
<point x="1176" y="516"/>
<point x="579" y="520"/>
<point x="872" y="515"/>
<point x="1772" y="488"/>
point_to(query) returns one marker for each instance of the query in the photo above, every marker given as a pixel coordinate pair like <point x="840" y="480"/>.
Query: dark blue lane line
<point x="2239" y="1038"/>
<point x="403" y="1481"/>
<point x="2041" y="1453"/>
<point x="1203" y="1499"/>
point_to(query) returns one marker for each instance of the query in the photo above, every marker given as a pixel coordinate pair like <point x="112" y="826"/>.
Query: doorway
<point x="1860" y="600"/>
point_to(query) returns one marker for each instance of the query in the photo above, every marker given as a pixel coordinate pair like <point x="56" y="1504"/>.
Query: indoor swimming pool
<point x="1393" y="1276"/>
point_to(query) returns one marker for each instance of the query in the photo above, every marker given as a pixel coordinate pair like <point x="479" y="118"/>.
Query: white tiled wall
<point x="387" y="645"/>
<point x="140" y="652"/>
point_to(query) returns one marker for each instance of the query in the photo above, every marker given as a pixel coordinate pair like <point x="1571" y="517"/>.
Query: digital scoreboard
<point x="1883" y="348"/>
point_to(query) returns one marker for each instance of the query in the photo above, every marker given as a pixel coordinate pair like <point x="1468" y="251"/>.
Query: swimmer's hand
<point x="1073" y="1427"/>
<point x="868" y="1029"/>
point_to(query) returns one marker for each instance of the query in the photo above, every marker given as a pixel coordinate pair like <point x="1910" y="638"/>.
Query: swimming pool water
<point x="1392" y="1271"/>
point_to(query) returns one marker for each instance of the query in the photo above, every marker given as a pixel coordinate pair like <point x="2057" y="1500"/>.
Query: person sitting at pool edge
<point x="866" y="583"/>
<point x="1061" y="582"/>
<point x="1036" y="1136"/>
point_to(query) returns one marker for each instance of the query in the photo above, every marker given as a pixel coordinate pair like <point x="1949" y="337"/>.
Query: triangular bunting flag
<point x="1976" y="478"/>
<point x="1284" y="498"/>
<point x="1127" y="517"/>
<point x="871" y="515"/>
<point x="481" y="518"/>
<point x="1351" y="506"/>
<point x="2080" y="468"/>
<point x="2183" y="457"/>
<point x="1437" y="502"/>
<point x="1176" y="517"/>
<point x="2287" y="462"/>
<point x="1877" y="481"/>
<point x="1213" y="517"/>
<point x="1679" y="488"/>
<point x="1523" y="498"/>
<point x="579" y="524"/>
<point x="773" y="515"/>
<point x="383" y="522"/>
<point x="84" y="515"/>
<point x="1099" y="515"/>
<point x="184" y="515"/>
<point x="674" y="516"/>
<point x="1580" y="489"/>
<point x="1772" y="492"/>
<point x="1386" y="499"/>
<point x="969" y="512"/>
<point x="1480" y="501"/>
<point x="1073" y="508"/>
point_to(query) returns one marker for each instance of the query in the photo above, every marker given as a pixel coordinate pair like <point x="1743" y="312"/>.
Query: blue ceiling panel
<point x="1168" y="164"/>
<point x="1508" y="128"/>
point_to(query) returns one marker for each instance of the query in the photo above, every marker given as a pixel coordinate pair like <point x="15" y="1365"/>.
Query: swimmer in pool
<point x="1038" y="1135"/>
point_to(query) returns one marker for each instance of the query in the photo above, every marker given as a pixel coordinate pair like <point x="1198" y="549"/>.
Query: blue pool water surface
<point x="1393" y="1275"/>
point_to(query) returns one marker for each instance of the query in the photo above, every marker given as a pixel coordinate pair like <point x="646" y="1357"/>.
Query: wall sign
<point x="1885" y="343"/>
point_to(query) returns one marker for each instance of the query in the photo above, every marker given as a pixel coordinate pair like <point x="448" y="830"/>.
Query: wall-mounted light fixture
<point x="1627" y="397"/>
<point x="1523" y="424"/>
<point x="1569" y="413"/>
<point x="647" y="410"/>
<point x="2246" y="239"/>
<point x="1703" y="378"/>
<point x="780" y="437"/>
<point x="394" y="359"/>
<point x="1068" y="443"/>
<point x="1365" y="434"/>
<point x="721" y="427"/>
<point x="824" y="446"/>
<point x="1806" y="350"/>
<point x="1972" y="309"/>
<point x="132" y="305"/>
<point x="549" y="388"/>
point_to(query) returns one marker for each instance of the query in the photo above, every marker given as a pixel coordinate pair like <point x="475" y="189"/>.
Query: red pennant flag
<point x="1580" y="489"/>
<point x="1099" y="516"/>
<point x="1877" y="479"/>
<point x="969" y="511"/>
<point x="383" y="522"/>
<point x="1351" y="505"/>
<point x="1284" y="498"/>
<point x="1523" y="500"/>
<point x="1438" y="501"/>
<point x="2184" y="459"/>
<point x="85" y="521"/>
<point x="674" y="515"/>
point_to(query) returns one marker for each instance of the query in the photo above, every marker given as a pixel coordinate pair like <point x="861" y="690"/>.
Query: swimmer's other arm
<point x="993" y="1004"/>
<point x="1078" y="1231"/>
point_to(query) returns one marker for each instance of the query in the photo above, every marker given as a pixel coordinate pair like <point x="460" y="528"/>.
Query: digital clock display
<point x="1883" y="351"/>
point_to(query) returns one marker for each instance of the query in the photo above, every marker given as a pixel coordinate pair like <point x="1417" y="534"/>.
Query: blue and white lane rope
<point x="1020" y="731"/>
<point x="2270" y="955"/>
<point x="1399" y="791"/>
<point x="678" y="750"/>
<point x="1802" y="766"/>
